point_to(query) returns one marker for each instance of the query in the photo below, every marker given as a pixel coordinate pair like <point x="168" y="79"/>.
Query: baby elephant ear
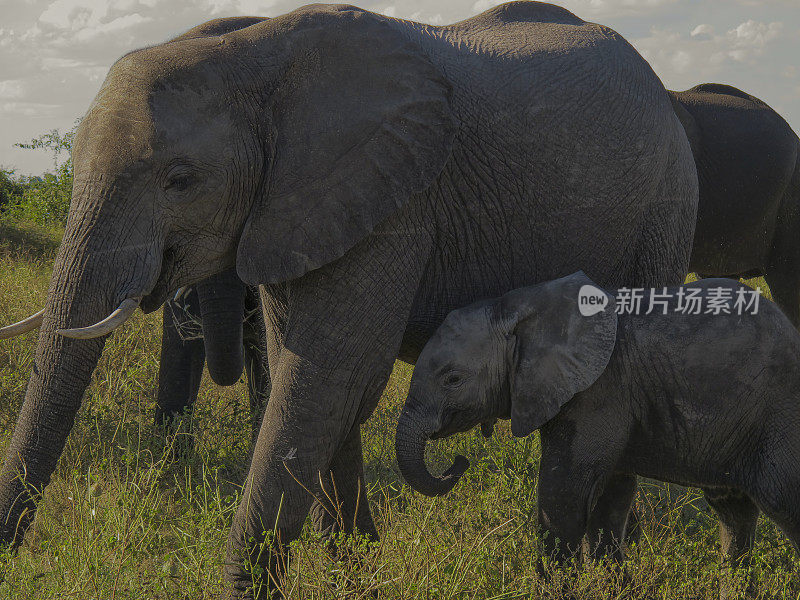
<point x="361" y="122"/>
<point x="563" y="342"/>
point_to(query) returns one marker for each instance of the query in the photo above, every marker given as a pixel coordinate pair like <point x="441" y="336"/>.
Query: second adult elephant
<point x="219" y="322"/>
<point x="372" y="174"/>
<point x="748" y="166"/>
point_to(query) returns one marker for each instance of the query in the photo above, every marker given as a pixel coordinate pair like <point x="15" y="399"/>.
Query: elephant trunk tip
<point x="439" y="486"/>
<point x="454" y="473"/>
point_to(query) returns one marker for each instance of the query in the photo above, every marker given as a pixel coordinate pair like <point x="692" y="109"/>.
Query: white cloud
<point x="28" y="109"/>
<point x="74" y="14"/>
<point x="615" y="5"/>
<point x="614" y="9"/>
<point x="54" y="62"/>
<point x="704" y="53"/>
<point x="755" y="34"/>
<point x="11" y="88"/>
<point x="484" y="5"/>
<point x="703" y="32"/>
<point x="115" y="26"/>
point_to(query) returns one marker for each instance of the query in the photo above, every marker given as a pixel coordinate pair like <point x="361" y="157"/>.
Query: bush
<point x="10" y="188"/>
<point x="43" y="200"/>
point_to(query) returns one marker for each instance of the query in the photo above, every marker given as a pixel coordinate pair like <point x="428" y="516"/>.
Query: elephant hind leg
<point x="738" y="516"/>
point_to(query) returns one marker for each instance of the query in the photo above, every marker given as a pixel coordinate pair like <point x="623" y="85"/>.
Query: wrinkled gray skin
<point x="219" y="322"/>
<point x="373" y="174"/>
<point x="233" y="339"/>
<point x="700" y="400"/>
<point x="748" y="166"/>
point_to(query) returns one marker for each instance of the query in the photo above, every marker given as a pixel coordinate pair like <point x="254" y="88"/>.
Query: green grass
<point x="121" y="522"/>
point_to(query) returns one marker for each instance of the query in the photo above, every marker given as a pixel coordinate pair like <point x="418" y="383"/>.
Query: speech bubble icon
<point x="591" y="300"/>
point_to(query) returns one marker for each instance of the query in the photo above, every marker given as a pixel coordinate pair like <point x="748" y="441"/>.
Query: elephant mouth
<point x="487" y="430"/>
<point x="451" y="425"/>
<point x="164" y="284"/>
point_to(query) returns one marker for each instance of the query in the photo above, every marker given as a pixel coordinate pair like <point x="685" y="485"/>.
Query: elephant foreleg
<point x="297" y="447"/>
<point x="343" y="506"/>
<point x="340" y="335"/>
<point x="738" y="516"/>
<point x="608" y="521"/>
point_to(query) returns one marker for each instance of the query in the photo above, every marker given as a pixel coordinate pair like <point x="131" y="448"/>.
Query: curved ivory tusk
<point x="181" y="293"/>
<point x="107" y="325"/>
<point x="23" y="326"/>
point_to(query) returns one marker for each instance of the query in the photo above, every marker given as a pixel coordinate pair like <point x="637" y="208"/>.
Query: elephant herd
<point x="370" y="175"/>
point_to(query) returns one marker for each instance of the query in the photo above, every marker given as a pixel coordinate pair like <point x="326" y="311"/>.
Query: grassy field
<point x="119" y="521"/>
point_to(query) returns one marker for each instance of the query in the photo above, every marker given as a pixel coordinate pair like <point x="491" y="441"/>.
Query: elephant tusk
<point x="181" y="293"/>
<point x="107" y="325"/>
<point x="23" y="326"/>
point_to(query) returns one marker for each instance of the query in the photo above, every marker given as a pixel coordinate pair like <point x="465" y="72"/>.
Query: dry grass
<point x="121" y="522"/>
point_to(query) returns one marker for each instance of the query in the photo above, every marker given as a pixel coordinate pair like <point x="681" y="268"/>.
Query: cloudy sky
<point x="55" y="53"/>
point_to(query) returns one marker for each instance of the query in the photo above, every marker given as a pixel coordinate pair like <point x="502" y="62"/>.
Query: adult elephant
<point x="218" y="322"/>
<point x="372" y="174"/>
<point x="748" y="166"/>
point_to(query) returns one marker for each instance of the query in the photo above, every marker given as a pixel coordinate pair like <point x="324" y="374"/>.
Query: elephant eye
<point x="180" y="183"/>
<point x="453" y="379"/>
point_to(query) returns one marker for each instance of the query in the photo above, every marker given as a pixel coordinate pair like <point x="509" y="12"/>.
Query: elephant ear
<point x="557" y="350"/>
<point x="361" y="122"/>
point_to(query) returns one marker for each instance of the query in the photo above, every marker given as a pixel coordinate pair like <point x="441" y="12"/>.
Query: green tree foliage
<point x="10" y="187"/>
<point x="41" y="199"/>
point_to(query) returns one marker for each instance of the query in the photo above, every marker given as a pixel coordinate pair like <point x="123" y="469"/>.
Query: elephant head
<point x="208" y="153"/>
<point x="522" y="356"/>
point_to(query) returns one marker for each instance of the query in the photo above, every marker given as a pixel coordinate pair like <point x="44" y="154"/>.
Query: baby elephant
<point x="702" y="391"/>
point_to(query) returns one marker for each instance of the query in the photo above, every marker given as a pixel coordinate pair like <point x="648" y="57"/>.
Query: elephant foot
<point x="260" y="583"/>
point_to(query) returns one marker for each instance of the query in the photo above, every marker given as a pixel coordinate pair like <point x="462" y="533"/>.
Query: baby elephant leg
<point x="738" y="515"/>
<point x="608" y="521"/>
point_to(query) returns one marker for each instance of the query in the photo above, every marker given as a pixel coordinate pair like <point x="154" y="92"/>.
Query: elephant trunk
<point x="91" y="280"/>
<point x="410" y="446"/>
<point x="82" y="291"/>
<point x="182" y="361"/>
<point x="221" y="299"/>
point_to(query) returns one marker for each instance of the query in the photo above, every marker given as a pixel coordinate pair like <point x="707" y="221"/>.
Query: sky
<point x="54" y="54"/>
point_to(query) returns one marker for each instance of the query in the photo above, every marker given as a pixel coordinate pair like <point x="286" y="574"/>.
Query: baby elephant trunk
<point x="412" y="435"/>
